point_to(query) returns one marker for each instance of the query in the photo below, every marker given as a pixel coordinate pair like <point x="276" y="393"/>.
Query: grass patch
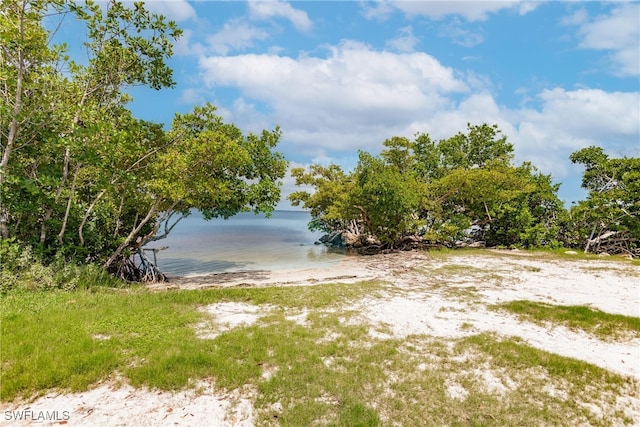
<point x="538" y="253"/>
<point x="327" y="370"/>
<point x="70" y="340"/>
<point x="596" y="271"/>
<point x="451" y="272"/>
<point x="603" y="325"/>
<point x="458" y="270"/>
<point x="487" y="380"/>
<point x="561" y="254"/>
<point x="541" y="388"/>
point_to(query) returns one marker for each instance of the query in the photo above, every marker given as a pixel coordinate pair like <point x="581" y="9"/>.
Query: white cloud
<point x="617" y="32"/>
<point x="405" y="41"/>
<point x="265" y="9"/>
<point x="578" y="17"/>
<point x="235" y="35"/>
<point x="380" y="11"/>
<point x="245" y="111"/>
<point x="456" y="31"/>
<point x="352" y="92"/>
<point x="476" y="109"/>
<point x="569" y="120"/>
<point x="177" y="10"/>
<point x="593" y="113"/>
<point x="355" y="97"/>
<point x="527" y="6"/>
<point x="192" y="96"/>
<point x="238" y="34"/>
<point x="563" y="122"/>
<point x="470" y="10"/>
<point x="186" y="46"/>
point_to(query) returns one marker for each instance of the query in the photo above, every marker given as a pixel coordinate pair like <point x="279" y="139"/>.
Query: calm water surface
<point x="243" y="242"/>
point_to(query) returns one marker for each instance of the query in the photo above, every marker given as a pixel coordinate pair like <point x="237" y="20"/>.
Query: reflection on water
<point x="243" y="242"/>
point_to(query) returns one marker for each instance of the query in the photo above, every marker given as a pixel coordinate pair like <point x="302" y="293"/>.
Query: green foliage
<point x="479" y="147"/>
<point x="505" y="205"/>
<point x="81" y="178"/>
<point x="379" y="198"/>
<point x="127" y="46"/>
<point x="481" y="195"/>
<point x="464" y="188"/>
<point x="386" y="198"/>
<point x="609" y="219"/>
<point x="21" y="269"/>
<point x="212" y="167"/>
<point x="328" y="204"/>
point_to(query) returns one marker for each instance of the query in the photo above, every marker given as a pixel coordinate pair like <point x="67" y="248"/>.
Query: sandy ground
<point x="413" y="307"/>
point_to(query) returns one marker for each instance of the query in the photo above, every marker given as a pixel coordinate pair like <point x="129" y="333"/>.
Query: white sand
<point x="418" y="304"/>
<point x="113" y="404"/>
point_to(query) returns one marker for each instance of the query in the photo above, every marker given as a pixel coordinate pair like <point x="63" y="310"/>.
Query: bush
<point x="20" y="268"/>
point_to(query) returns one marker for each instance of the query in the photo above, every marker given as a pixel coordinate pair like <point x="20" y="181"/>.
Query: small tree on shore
<point x="609" y="219"/>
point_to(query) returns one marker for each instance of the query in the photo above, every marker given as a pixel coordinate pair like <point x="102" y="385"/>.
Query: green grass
<point x="552" y="389"/>
<point x="560" y="254"/>
<point x="49" y="339"/>
<point x="606" y="326"/>
<point x="536" y="253"/>
<point x="327" y="371"/>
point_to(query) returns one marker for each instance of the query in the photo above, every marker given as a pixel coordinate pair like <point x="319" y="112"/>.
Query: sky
<point x="343" y="76"/>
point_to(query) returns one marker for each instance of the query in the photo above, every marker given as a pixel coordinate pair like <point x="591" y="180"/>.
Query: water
<point x="243" y="242"/>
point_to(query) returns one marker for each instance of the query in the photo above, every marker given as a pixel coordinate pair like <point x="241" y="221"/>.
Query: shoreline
<point x="349" y="269"/>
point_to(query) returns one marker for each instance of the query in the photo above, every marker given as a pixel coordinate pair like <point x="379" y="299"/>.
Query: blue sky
<point x="339" y="76"/>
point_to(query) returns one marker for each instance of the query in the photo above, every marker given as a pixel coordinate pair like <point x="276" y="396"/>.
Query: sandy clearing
<point x="417" y="303"/>
<point x="114" y="404"/>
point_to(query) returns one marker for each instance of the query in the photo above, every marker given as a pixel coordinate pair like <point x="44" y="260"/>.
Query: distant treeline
<point x="466" y="190"/>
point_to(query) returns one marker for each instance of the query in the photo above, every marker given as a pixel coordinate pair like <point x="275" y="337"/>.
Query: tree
<point x="464" y="188"/>
<point x="387" y="196"/>
<point x="82" y="177"/>
<point x="482" y="144"/>
<point x="399" y="154"/>
<point x="476" y="193"/>
<point x="27" y="84"/>
<point x="328" y="204"/>
<point x="49" y="110"/>
<point x="205" y="164"/>
<point x="378" y="200"/>
<point x="498" y="204"/>
<point x="609" y="219"/>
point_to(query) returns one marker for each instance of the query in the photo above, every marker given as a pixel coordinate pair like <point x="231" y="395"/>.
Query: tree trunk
<point x="49" y="213"/>
<point x="167" y="227"/>
<point x="13" y="127"/>
<point x="132" y="235"/>
<point x="87" y="213"/>
<point x="116" y="229"/>
<point x="69" y="202"/>
<point x="589" y="240"/>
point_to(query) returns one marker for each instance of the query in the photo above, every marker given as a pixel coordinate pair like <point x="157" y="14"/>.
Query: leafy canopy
<point x="464" y="188"/>
<point x="80" y="176"/>
<point x="609" y="219"/>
